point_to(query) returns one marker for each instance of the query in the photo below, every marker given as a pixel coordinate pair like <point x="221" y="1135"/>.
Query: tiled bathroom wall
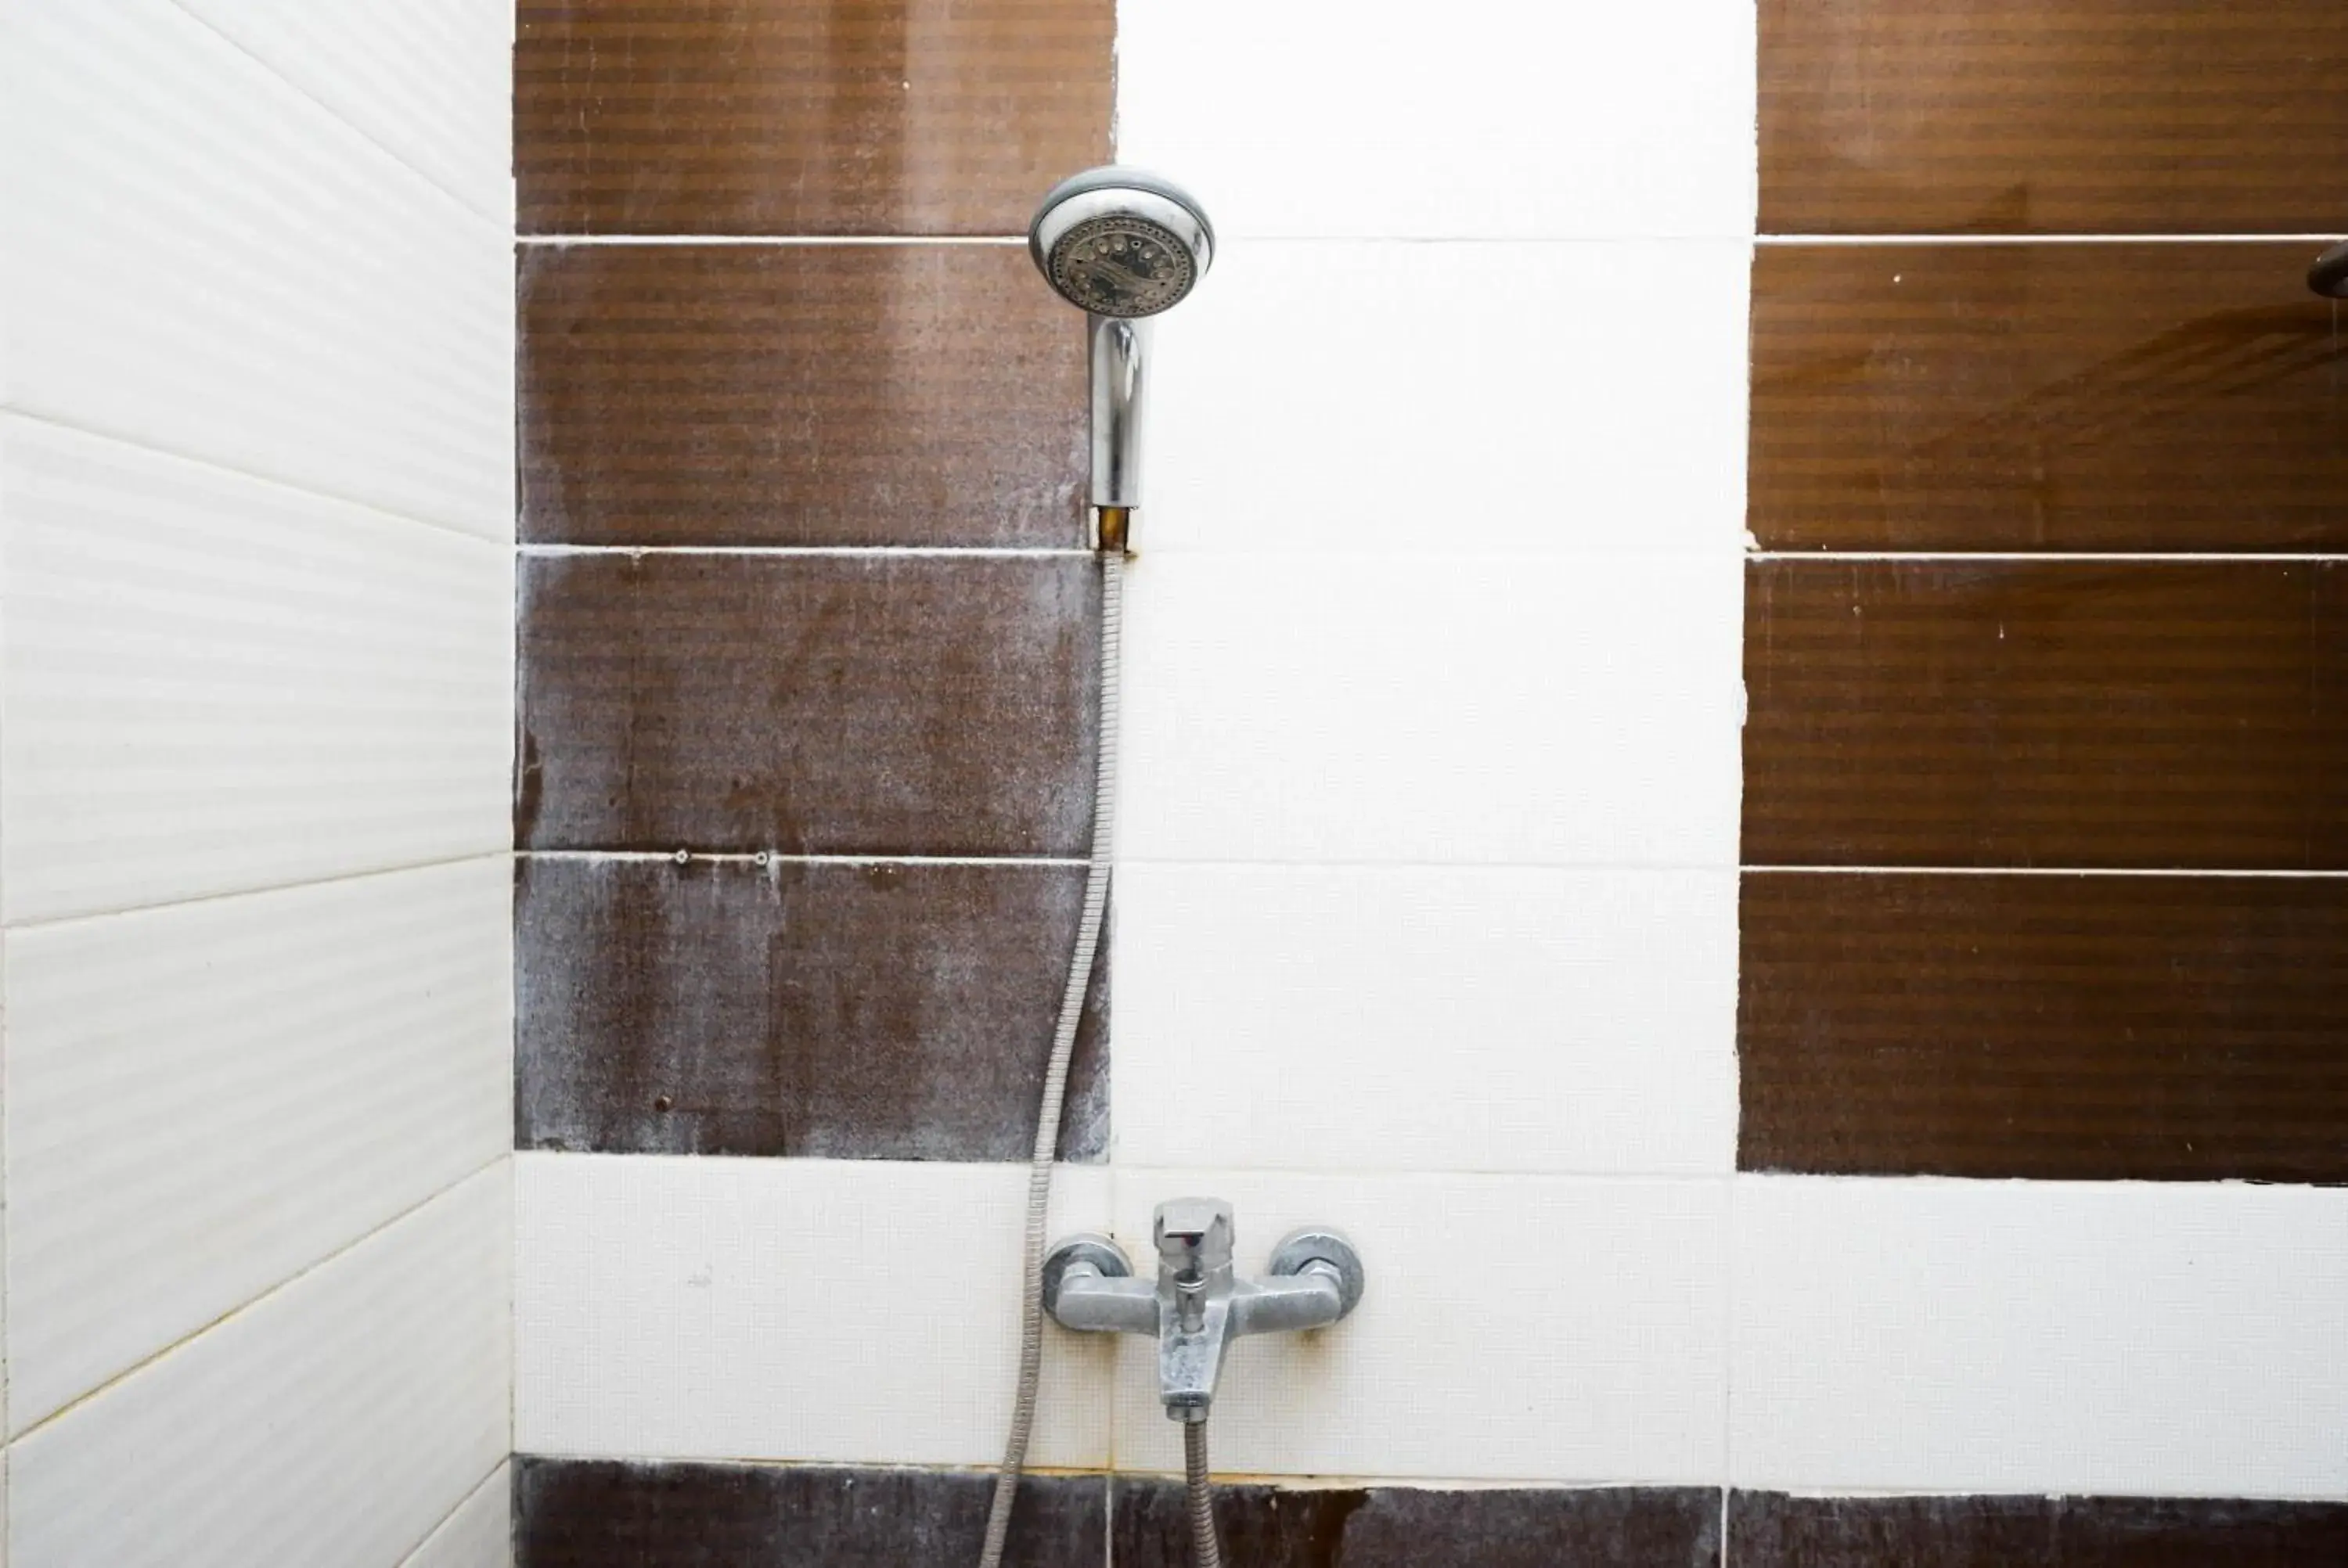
<point x="1742" y="799"/>
<point x="256" y="676"/>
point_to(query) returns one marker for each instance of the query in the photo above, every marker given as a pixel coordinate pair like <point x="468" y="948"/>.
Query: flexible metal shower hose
<point x="1056" y="1074"/>
<point x="1206" y="1550"/>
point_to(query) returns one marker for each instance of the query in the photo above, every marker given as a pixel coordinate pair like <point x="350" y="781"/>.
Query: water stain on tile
<point x="2103" y="116"/>
<point x="601" y="1513"/>
<point x="2141" y="714"/>
<point x="829" y="1010"/>
<point x="2168" y="397"/>
<point x="834" y="117"/>
<point x="1406" y="1527"/>
<point x="1771" y="1530"/>
<point x="797" y="394"/>
<point x="2058" y="1028"/>
<point x="865" y="705"/>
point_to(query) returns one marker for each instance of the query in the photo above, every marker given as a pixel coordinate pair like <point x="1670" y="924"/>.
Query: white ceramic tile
<point x="1498" y="710"/>
<point x="857" y="1311"/>
<point x="477" y="1534"/>
<point x="1492" y="118"/>
<point x="431" y="81"/>
<point x="2041" y="1337"/>
<point x="205" y="1099"/>
<point x="1426" y="1018"/>
<point x="1514" y="1329"/>
<point x="1560" y="398"/>
<point x="216" y="683"/>
<point x="337" y="1420"/>
<point x="204" y="260"/>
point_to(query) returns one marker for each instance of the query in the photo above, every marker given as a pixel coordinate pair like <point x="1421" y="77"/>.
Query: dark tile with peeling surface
<point x="851" y="704"/>
<point x="850" y="1011"/>
<point x="598" y="1514"/>
<point x="832" y="116"/>
<point x="2053" y="117"/>
<point x="2146" y="714"/>
<point x="2060" y="1028"/>
<point x="1770" y="1530"/>
<point x="2169" y="397"/>
<point x="1406" y="1527"/>
<point x="797" y="394"/>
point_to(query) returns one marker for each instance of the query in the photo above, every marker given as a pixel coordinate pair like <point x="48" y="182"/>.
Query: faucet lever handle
<point x="1194" y="1235"/>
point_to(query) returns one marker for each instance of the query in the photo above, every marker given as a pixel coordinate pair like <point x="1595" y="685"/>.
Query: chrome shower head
<point x="1117" y="241"/>
<point x="1122" y="246"/>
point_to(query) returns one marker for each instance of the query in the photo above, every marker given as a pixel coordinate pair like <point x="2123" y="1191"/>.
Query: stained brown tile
<point x="2063" y="713"/>
<point x="859" y="704"/>
<point x="886" y="1012"/>
<point x="2067" y="1027"/>
<point x="797" y="394"/>
<point x="836" y="117"/>
<point x="597" y="1513"/>
<point x="2180" y="397"/>
<point x="1770" y="1529"/>
<point x="2128" y="117"/>
<point x="1404" y="1527"/>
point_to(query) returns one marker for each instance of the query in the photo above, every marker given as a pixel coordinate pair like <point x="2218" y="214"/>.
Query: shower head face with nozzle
<point x="1118" y="242"/>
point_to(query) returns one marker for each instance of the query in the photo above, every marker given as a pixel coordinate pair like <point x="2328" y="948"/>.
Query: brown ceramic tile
<point x="797" y="394"/>
<point x="836" y="117"/>
<point x="1403" y="1527"/>
<point x="596" y="1514"/>
<point x="2063" y="713"/>
<point x="859" y="704"/>
<point x="1770" y="1529"/>
<point x="2070" y="1028"/>
<point x="887" y="1012"/>
<point x="2181" y="397"/>
<point x="2127" y="116"/>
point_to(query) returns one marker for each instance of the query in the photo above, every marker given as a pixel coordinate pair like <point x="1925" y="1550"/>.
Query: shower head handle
<point x="1122" y="245"/>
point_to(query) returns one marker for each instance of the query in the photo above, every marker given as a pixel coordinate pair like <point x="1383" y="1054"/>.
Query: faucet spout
<point x="1194" y="1302"/>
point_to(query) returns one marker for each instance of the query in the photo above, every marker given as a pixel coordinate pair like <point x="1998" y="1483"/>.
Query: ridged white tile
<point x="430" y="80"/>
<point x="337" y="1420"/>
<point x="204" y="260"/>
<point x="856" y="1311"/>
<point x="478" y="1534"/>
<point x="205" y="1099"/>
<point x="216" y="683"/>
<point x="1425" y="1017"/>
<point x="1508" y="398"/>
<point x="1497" y="710"/>
<point x="2041" y="1337"/>
<point x="1514" y="1329"/>
<point x="1494" y="118"/>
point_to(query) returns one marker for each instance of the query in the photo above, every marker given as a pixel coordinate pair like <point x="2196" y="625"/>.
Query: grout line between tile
<point x="1315" y="1481"/>
<point x="982" y="552"/>
<point x="547" y="240"/>
<point x="497" y="221"/>
<point x="2248" y="557"/>
<point x="240" y="1308"/>
<point x="775" y="857"/>
<point x="47" y="921"/>
<point x="461" y="1503"/>
<point x="2030" y="871"/>
<point x="2043" y="239"/>
<point x="1614" y="868"/>
<point x="559" y="241"/>
<point x="373" y="508"/>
